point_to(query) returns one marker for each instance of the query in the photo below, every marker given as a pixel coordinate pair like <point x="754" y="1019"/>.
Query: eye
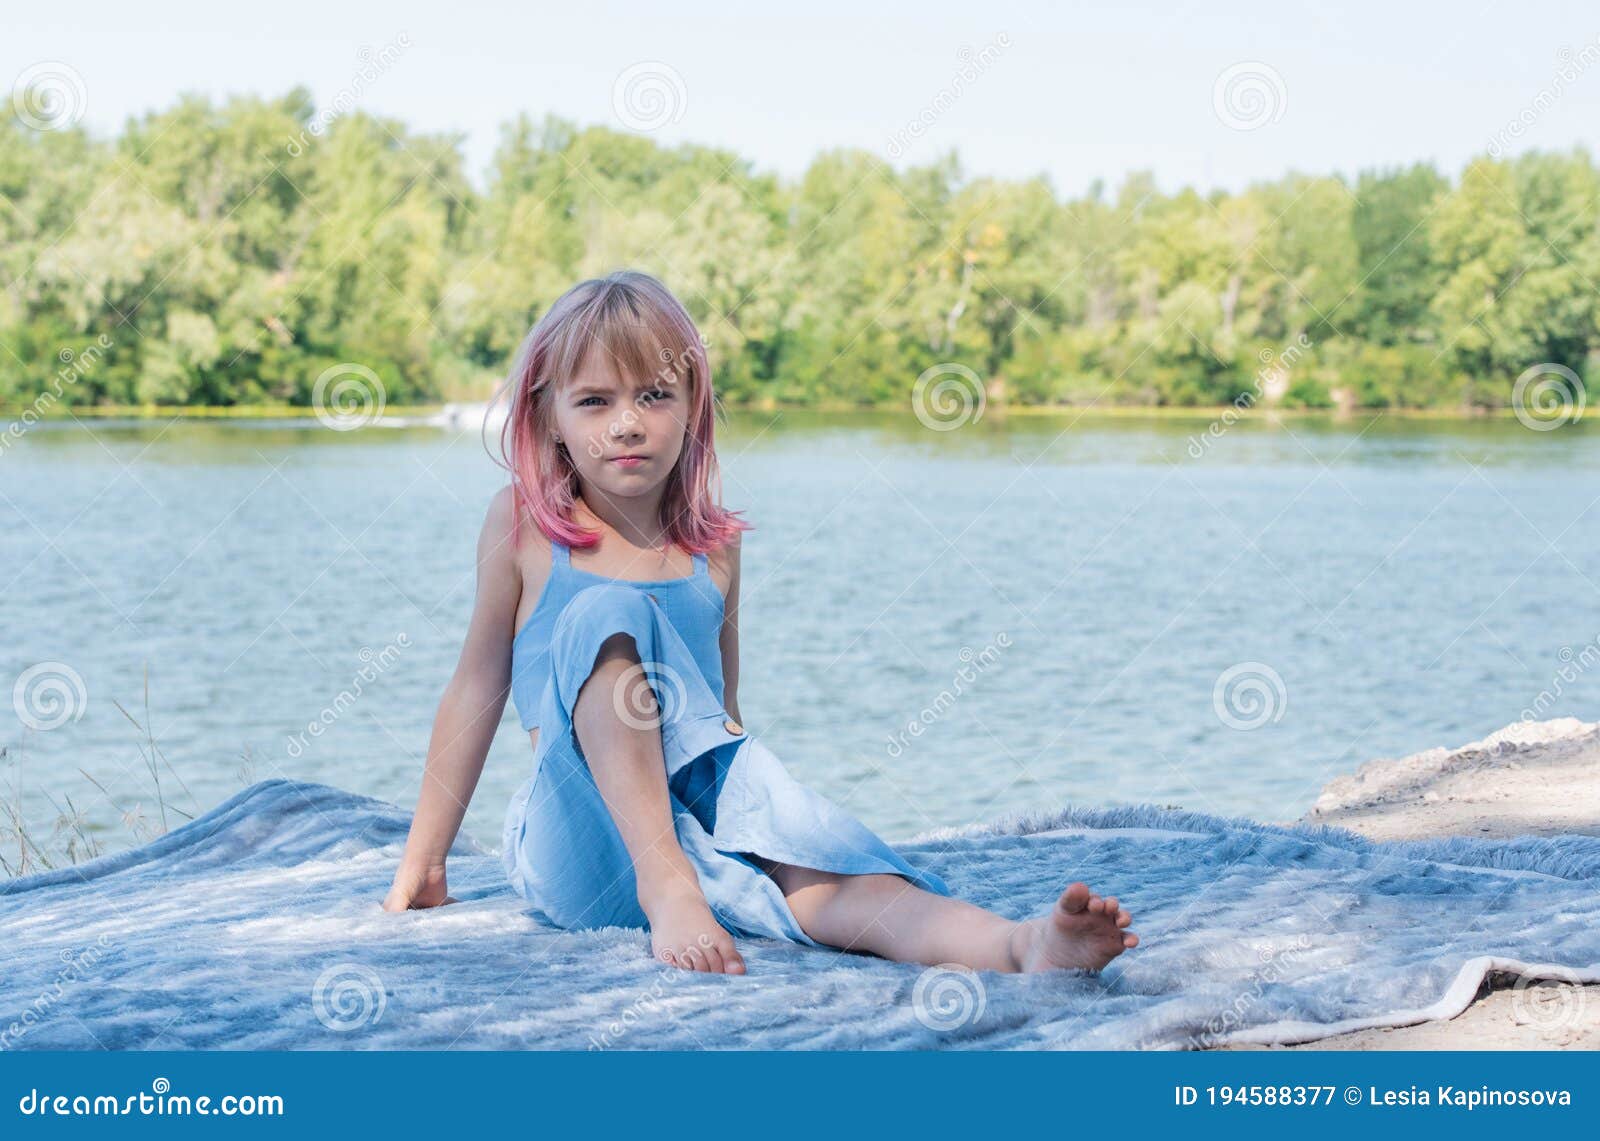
<point x="656" y="394"/>
<point x="585" y="401"/>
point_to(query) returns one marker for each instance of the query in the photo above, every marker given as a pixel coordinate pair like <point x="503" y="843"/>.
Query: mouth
<point x="628" y="461"/>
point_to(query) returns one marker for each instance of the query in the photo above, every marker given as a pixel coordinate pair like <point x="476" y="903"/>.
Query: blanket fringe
<point x="1573" y="857"/>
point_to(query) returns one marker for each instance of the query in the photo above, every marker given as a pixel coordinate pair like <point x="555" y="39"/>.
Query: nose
<point x="627" y="428"/>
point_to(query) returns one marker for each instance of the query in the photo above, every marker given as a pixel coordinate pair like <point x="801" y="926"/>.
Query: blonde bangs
<point x="638" y="344"/>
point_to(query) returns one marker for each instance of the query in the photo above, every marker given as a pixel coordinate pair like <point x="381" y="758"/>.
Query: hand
<point x="417" y="887"/>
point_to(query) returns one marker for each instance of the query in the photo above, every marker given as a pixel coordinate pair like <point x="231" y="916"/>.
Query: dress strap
<point x="560" y="554"/>
<point x="700" y="564"/>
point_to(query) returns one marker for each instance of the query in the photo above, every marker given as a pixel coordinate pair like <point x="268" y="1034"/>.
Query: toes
<point x="1129" y="939"/>
<point x="691" y="958"/>
<point x="705" y="956"/>
<point x="1075" y="899"/>
<point x="1111" y="905"/>
<point x="1123" y="919"/>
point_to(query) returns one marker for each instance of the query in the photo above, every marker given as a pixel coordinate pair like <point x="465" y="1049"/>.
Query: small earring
<point x="558" y="437"/>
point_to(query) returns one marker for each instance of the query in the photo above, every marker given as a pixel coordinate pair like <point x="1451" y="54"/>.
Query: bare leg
<point x="888" y="916"/>
<point x="630" y="771"/>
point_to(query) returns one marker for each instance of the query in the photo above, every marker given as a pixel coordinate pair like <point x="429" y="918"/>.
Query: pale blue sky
<point x="1081" y="92"/>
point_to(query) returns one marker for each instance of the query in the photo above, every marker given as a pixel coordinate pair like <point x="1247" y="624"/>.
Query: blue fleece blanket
<point x="258" y="925"/>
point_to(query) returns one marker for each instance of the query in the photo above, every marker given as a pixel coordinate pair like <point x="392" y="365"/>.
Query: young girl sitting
<point x="607" y="607"/>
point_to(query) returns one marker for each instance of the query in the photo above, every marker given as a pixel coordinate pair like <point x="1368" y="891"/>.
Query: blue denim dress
<point x="730" y="797"/>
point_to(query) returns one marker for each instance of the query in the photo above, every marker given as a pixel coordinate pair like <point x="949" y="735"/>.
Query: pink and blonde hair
<point x="646" y="331"/>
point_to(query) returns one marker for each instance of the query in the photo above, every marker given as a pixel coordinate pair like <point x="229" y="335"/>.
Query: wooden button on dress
<point x="733" y="726"/>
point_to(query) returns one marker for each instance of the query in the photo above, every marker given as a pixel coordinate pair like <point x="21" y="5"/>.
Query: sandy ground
<point x="1540" y="778"/>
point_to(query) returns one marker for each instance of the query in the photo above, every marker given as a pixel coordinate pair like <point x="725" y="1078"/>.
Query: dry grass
<point x="74" y="836"/>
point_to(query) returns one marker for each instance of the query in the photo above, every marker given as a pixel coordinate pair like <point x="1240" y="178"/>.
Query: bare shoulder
<point x="517" y="555"/>
<point x="503" y="544"/>
<point x="726" y="557"/>
<point x="723" y="564"/>
<point x="496" y="541"/>
<point x="502" y="513"/>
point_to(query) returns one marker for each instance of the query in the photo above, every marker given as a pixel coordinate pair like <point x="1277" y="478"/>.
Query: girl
<point x="607" y="606"/>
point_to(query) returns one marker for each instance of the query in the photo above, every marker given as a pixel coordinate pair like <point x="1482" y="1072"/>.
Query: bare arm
<point x="468" y="716"/>
<point x="729" y="638"/>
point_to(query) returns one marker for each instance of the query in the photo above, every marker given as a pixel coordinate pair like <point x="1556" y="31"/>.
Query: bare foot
<point x="1082" y="931"/>
<point x="683" y="932"/>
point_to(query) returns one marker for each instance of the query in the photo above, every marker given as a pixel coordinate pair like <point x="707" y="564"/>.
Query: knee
<point x="607" y="598"/>
<point x="609" y="623"/>
<point x="594" y="614"/>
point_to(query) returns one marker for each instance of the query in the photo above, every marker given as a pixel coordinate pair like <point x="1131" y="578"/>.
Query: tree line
<point x="229" y="254"/>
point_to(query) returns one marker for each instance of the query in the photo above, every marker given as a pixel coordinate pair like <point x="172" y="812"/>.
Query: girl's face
<point x="624" y="437"/>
